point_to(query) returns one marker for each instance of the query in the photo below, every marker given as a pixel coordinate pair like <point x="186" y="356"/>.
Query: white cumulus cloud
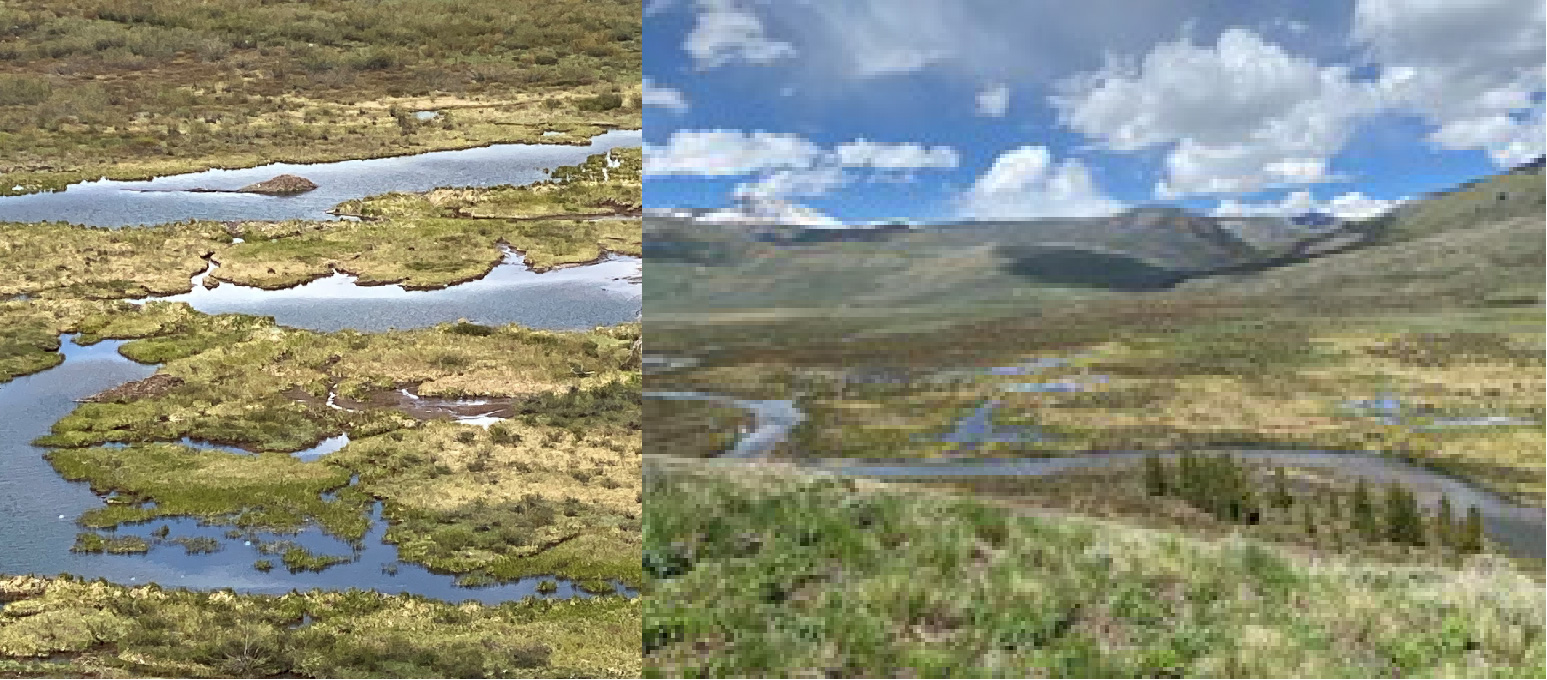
<point x="906" y="156"/>
<point x="1026" y="183"/>
<point x="1470" y="67"/>
<point x="994" y="102"/>
<point x="783" y="165"/>
<point x="727" y="33"/>
<point x="729" y="152"/>
<point x="1240" y="115"/>
<point x="1349" y="206"/>
<point x="661" y="96"/>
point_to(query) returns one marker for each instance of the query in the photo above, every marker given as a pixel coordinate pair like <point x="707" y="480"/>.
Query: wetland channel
<point x="108" y="203"/>
<point x="40" y="508"/>
<point x="1520" y="530"/>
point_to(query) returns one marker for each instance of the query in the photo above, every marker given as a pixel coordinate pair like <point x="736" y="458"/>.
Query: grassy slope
<point x="93" y="88"/>
<point x="773" y="574"/>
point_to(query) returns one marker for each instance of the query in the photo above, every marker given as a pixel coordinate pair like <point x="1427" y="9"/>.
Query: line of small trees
<point x="1221" y="487"/>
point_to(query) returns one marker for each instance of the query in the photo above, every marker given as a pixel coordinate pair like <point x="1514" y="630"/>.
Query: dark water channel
<point x="108" y="203"/>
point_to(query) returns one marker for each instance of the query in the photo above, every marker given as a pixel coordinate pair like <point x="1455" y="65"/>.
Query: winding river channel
<point x="1520" y="530"/>
<point x="39" y="508"/>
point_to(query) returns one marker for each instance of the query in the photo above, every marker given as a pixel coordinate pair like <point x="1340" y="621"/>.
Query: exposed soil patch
<point x="153" y="386"/>
<point x="405" y="398"/>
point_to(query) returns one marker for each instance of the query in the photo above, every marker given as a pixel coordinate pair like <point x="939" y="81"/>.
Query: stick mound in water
<point x="283" y="184"/>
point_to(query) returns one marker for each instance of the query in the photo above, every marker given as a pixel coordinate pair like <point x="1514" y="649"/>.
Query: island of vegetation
<point x="549" y="494"/>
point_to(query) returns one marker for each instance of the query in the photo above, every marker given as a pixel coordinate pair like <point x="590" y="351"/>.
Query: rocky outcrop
<point x="280" y="186"/>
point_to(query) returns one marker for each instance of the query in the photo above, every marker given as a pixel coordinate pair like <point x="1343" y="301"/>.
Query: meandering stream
<point x="1520" y="530"/>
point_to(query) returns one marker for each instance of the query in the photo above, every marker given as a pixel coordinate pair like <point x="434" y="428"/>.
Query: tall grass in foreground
<point x="776" y="574"/>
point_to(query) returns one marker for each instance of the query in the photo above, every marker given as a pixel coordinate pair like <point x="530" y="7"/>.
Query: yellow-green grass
<point x="1318" y="522"/>
<point x="419" y="252"/>
<point x="68" y="628"/>
<point x="273" y="490"/>
<point x="418" y="249"/>
<point x="562" y="475"/>
<point x="30" y="329"/>
<point x="590" y="188"/>
<point x="518" y="500"/>
<point x="1176" y="378"/>
<point x="762" y="572"/>
<point x="266" y="390"/>
<point x="85" y="262"/>
<point x="90" y="89"/>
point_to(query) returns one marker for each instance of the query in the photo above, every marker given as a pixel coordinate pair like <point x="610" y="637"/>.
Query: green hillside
<point x="774" y="574"/>
<point x="1516" y="194"/>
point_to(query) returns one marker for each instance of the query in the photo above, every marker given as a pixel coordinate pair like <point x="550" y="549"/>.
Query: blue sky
<point x="933" y="110"/>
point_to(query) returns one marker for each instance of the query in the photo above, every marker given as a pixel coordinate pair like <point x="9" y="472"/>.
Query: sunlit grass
<point x="774" y="573"/>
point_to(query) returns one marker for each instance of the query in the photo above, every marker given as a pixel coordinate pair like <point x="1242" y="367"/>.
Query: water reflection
<point x="39" y="508"/>
<point x="565" y="299"/>
<point x="110" y="203"/>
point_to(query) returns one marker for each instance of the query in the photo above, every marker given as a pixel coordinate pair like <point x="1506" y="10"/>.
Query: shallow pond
<point x="39" y="508"/>
<point x="566" y="299"/>
<point x="110" y="203"/>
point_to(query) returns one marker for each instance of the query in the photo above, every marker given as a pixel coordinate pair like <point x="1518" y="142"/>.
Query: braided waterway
<point x="39" y="508"/>
<point x="1520" y="530"/>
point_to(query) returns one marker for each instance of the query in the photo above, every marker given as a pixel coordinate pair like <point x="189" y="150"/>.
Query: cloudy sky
<point x="957" y="109"/>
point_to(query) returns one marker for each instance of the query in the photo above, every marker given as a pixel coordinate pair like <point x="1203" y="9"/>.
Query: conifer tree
<point x="1404" y="524"/>
<point x="1281" y="497"/>
<point x="1333" y="511"/>
<point x="1363" y="511"/>
<point x="1472" y="532"/>
<point x="1445" y="524"/>
<point x="1155" y="476"/>
<point x="1310" y="521"/>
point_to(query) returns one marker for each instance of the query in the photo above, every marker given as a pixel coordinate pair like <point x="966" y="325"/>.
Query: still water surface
<point x="40" y="508"/>
<point x="108" y="203"/>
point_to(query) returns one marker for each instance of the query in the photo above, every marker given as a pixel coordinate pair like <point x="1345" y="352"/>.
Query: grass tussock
<point x="553" y="490"/>
<point x="772" y="573"/>
<point x="65" y="627"/>
<point x="273" y="491"/>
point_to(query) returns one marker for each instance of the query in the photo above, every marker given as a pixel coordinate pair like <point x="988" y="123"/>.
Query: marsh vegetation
<point x="94" y="88"/>
<point x="65" y="627"/>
